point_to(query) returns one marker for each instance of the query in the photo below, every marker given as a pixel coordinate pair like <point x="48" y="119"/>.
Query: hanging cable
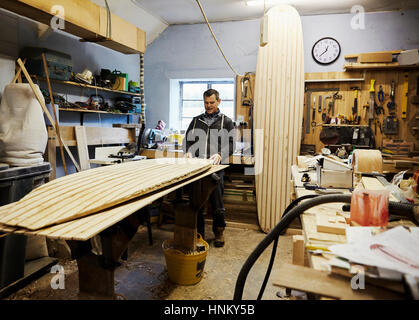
<point x="213" y="35"/>
<point x="109" y="21"/>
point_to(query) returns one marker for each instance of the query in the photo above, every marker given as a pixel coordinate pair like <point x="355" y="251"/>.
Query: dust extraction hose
<point x="402" y="209"/>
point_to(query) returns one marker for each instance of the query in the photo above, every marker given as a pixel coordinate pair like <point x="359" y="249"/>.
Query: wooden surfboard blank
<point x="94" y="190"/>
<point x="279" y="103"/>
<point x="85" y="228"/>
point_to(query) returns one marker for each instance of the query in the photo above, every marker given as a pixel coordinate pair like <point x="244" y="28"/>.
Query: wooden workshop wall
<point x="344" y="106"/>
<point x="243" y="110"/>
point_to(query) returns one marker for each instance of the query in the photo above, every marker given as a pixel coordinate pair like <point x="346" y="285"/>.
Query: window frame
<point x="209" y="84"/>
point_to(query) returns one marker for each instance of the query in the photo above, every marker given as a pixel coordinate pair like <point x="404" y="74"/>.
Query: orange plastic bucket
<point x="185" y="269"/>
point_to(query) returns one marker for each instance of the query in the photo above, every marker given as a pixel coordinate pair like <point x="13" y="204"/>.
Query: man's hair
<point x="210" y="92"/>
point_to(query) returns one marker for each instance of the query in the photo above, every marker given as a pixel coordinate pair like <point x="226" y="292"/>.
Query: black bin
<point x="15" y="183"/>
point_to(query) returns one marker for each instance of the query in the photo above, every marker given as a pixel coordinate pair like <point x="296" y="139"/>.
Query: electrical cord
<point x="215" y="38"/>
<point x="109" y="21"/>
<point x="271" y="261"/>
<point x="408" y="210"/>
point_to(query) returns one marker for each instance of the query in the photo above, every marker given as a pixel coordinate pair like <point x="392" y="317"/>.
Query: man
<point x="211" y="136"/>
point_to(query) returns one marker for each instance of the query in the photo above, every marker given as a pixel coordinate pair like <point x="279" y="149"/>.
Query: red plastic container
<point x="370" y="207"/>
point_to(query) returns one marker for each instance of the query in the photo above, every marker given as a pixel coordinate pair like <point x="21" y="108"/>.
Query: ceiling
<point x="187" y="11"/>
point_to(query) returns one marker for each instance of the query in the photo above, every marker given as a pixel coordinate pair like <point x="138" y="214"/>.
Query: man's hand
<point x="216" y="159"/>
<point x="187" y="155"/>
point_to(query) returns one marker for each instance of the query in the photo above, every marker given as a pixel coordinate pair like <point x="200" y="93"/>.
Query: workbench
<point x="310" y="271"/>
<point x="317" y="240"/>
<point x="98" y="241"/>
<point x="167" y="153"/>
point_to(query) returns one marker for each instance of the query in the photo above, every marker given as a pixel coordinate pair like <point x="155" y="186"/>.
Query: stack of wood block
<point x="239" y="198"/>
<point x="398" y="147"/>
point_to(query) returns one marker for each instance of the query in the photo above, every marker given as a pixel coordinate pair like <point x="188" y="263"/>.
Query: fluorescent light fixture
<point x="254" y="3"/>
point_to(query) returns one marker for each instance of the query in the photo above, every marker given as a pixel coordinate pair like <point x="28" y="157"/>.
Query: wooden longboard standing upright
<point x="278" y="114"/>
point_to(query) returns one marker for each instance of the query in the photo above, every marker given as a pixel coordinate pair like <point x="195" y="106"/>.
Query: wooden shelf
<point x="97" y="111"/>
<point x="85" y="85"/>
<point x="342" y="125"/>
<point x="377" y="66"/>
<point x="335" y="80"/>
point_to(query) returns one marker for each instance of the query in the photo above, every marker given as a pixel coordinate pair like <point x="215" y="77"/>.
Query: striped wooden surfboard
<point x="85" y="228"/>
<point x="87" y="192"/>
<point x="278" y="114"/>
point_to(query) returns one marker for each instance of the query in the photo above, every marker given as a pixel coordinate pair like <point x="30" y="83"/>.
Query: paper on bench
<point x="396" y="249"/>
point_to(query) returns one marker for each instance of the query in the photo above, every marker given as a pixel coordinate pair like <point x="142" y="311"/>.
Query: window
<point x="192" y="102"/>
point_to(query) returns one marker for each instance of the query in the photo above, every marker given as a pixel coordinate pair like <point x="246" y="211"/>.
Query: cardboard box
<point x="408" y="57"/>
<point x="334" y="178"/>
<point x="121" y="83"/>
<point x="375" y="57"/>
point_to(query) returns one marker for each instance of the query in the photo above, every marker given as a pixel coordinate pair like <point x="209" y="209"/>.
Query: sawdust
<point x="164" y="288"/>
<point x="41" y="289"/>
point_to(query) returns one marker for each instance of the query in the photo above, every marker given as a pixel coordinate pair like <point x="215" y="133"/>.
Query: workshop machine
<point x="152" y="138"/>
<point x="117" y="154"/>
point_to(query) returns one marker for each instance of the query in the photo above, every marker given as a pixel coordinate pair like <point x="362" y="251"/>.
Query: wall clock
<point x="326" y="50"/>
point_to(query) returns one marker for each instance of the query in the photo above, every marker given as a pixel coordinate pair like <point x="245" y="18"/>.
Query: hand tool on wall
<point x="391" y="106"/>
<point x="336" y="96"/>
<point x="372" y="101"/>
<point x="405" y="94"/>
<point x="355" y="107"/>
<point x="415" y="99"/>
<point x="329" y="109"/>
<point x="308" y="103"/>
<point x="320" y="104"/>
<point x="391" y="125"/>
<point x="380" y="95"/>
<point x="324" y="115"/>
<point x="314" y="109"/>
<point x="379" y="110"/>
<point x="379" y="126"/>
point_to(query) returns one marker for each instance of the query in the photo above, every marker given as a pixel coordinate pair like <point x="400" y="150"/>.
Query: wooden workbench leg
<point x="185" y="233"/>
<point x="96" y="272"/>
<point x="185" y="227"/>
<point x="94" y="279"/>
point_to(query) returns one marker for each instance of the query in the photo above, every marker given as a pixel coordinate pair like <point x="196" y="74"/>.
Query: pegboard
<point x="344" y="81"/>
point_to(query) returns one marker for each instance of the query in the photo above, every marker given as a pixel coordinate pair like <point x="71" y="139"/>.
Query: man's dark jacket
<point x="209" y="137"/>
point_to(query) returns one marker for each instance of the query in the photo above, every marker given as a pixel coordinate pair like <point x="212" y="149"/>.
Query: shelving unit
<point x="342" y="125"/>
<point x="85" y="85"/>
<point x="377" y="66"/>
<point x="335" y="80"/>
<point x="83" y="111"/>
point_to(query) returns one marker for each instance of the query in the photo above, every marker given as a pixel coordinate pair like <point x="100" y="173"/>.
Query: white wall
<point x="188" y="51"/>
<point x="383" y="31"/>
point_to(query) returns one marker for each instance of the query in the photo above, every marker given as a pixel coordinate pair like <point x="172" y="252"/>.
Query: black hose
<point x="268" y="272"/>
<point x="271" y="261"/>
<point x="401" y="209"/>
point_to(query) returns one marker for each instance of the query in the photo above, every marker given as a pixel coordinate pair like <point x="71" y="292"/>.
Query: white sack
<point x="23" y="135"/>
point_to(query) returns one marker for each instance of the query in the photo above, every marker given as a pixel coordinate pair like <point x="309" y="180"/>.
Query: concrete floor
<point x="144" y="275"/>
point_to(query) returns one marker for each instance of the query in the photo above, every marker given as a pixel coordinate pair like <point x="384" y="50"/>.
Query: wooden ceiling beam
<point x="83" y="19"/>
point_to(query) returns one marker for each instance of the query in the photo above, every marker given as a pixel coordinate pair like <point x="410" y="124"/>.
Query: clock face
<point x="326" y="50"/>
